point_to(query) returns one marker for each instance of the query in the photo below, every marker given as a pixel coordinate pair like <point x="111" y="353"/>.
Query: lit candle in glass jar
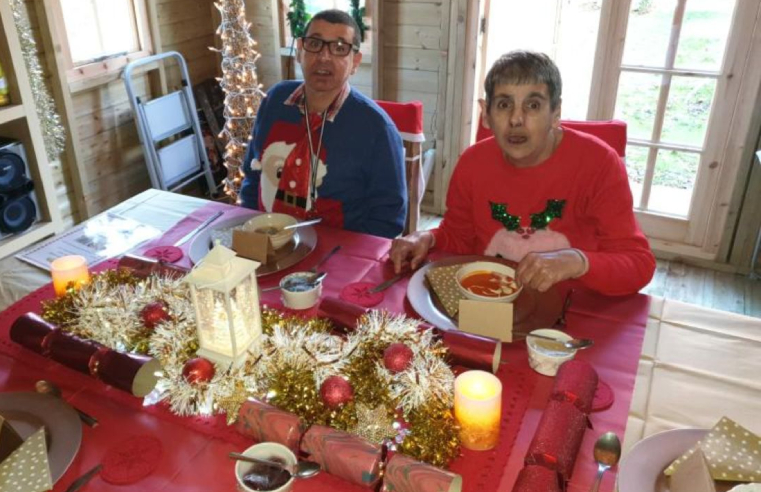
<point x="478" y="408"/>
<point x="68" y="269"/>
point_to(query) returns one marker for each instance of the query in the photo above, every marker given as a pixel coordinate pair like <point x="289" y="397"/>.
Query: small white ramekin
<point x="265" y="451"/>
<point x="543" y="361"/>
<point x="304" y="299"/>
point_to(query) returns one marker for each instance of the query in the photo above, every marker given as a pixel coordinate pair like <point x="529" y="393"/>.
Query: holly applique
<point x="539" y="221"/>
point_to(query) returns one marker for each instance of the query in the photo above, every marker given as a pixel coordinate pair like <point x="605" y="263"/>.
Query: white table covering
<point x="697" y="365"/>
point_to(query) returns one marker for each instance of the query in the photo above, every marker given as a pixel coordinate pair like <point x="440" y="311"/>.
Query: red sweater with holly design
<point x="578" y="198"/>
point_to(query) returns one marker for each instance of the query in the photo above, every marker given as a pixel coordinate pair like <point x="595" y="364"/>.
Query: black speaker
<point x="18" y="202"/>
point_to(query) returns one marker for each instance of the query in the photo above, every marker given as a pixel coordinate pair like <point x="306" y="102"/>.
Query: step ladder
<point x="169" y="130"/>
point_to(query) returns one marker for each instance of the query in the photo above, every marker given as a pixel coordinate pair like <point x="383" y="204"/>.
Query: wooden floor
<point x="695" y="285"/>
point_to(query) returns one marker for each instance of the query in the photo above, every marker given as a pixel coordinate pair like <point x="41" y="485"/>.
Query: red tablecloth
<point x="617" y="325"/>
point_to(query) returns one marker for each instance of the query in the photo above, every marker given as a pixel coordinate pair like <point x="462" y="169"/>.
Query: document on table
<point x="102" y="237"/>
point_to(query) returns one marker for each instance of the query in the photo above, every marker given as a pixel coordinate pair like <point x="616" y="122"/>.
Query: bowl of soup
<point x="272" y="225"/>
<point x="488" y="281"/>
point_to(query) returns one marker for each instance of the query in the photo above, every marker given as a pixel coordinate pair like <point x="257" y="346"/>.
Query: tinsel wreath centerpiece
<point x="386" y="381"/>
<point x="240" y="83"/>
<point x="53" y="133"/>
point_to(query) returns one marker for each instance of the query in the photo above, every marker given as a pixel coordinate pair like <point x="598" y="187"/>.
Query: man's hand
<point x="410" y="250"/>
<point x="541" y="271"/>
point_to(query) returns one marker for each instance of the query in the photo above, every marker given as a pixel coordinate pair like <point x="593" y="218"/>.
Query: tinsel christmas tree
<point x="243" y="92"/>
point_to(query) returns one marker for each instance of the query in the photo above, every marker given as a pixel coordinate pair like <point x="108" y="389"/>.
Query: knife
<point x="187" y="237"/>
<point x="81" y="481"/>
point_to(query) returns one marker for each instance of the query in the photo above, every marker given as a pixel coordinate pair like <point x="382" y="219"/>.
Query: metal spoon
<point x="310" y="281"/>
<point x="573" y="343"/>
<point x="272" y="230"/>
<point x="607" y="452"/>
<point x="49" y="388"/>
<point x="302" y="224"/>
<point x="302" y="469"/>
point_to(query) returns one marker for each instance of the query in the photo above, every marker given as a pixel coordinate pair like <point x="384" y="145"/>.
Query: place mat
<point x="481" y="471"/>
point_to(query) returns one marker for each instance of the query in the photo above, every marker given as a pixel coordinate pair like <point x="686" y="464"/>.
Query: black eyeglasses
<point x="337" y="48"/>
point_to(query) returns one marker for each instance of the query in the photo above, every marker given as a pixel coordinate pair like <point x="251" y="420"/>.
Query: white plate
<point x="303" y="243"/>
<point x="27" y="412"/>
<point x="642" y="469"/>
<point x="532" y="309"/>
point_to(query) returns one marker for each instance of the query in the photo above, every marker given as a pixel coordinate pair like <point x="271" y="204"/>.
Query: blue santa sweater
<point x="363" y="177"/>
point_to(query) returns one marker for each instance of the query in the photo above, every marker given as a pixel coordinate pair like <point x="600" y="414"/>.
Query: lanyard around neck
<point x="314" y="157"/>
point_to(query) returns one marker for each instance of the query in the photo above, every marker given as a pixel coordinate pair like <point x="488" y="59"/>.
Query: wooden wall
<point x="109" y="153"/>
<point x="415" y="57"/>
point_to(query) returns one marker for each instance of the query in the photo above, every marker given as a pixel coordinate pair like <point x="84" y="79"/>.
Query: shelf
<point x="12" y="244"/>
<point x="11" y="113"/>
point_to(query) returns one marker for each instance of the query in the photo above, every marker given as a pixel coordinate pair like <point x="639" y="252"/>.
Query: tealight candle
<point x="478" y="409"/>
<point x="68" y="269"/>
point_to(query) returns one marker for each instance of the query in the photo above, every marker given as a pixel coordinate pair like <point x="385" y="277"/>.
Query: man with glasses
<point x="320" y="148"/>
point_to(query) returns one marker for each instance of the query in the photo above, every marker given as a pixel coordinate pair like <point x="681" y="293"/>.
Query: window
<point x="99" y="37"/>
<point x="99" y="29"/>
<point x="314" y="6"/>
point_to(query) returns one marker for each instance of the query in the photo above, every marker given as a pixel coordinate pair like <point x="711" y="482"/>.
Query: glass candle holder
<point x="69" y="269"/>
<point x="478" y="409"/>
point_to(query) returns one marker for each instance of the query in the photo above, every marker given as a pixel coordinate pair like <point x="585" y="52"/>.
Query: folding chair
<point x="169" y="130"/>
<point x="408" y="118"/>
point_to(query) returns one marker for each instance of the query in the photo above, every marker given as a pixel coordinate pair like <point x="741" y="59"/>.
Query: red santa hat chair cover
<point x="408" y="118"/>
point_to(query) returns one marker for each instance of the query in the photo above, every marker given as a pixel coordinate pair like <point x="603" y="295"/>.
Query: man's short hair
<point x="335" y="16"/>
<point x="524" y="67"/>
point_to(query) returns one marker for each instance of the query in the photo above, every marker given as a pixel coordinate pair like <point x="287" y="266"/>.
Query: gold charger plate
<point x="532" y="309"/>
<point x="27" y="412"/>
<point x="303" y="243"/>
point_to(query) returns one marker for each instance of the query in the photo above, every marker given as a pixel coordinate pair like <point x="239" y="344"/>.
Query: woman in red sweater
<point x="555" y="200"/>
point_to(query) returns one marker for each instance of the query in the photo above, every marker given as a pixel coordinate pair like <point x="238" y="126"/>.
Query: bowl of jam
<point x="261" y="477"/>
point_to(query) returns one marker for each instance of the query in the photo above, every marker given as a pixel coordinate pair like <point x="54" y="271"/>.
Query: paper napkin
<point x="444" y="284"/>
<point x="693" y="475"/>
<point x="27" y="469"/>
<point x="732" y="452"/>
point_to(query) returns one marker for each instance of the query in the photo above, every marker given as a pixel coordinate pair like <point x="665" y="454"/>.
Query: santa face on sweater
<point x="523" y="235"/>
<point x="273" y="162"/>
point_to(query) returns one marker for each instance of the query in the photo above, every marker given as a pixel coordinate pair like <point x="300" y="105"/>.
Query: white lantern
<point x="225" y="296"/>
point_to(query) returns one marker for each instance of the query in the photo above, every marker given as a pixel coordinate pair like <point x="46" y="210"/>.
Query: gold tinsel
<point x="434" y="435"/>
<point x="61" y="311"/>
<point x="53" y="132"/>
<point x="286" y="367"/>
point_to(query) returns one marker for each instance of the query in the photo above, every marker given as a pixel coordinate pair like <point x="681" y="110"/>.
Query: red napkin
<point x="359" y="294"/>
<point x="534" y="478"/>
<point x="576" y="382"/>
<point x="131" y="460"/>
<point x="558" y="438"/>
<point x="604" y="397"/>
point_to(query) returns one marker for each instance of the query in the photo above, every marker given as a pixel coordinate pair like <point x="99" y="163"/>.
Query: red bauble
<point x="154" y="313"/>
<point x="336" y="391"/>
<point x="397" y="357"/>
<point x="198" y="370"/>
